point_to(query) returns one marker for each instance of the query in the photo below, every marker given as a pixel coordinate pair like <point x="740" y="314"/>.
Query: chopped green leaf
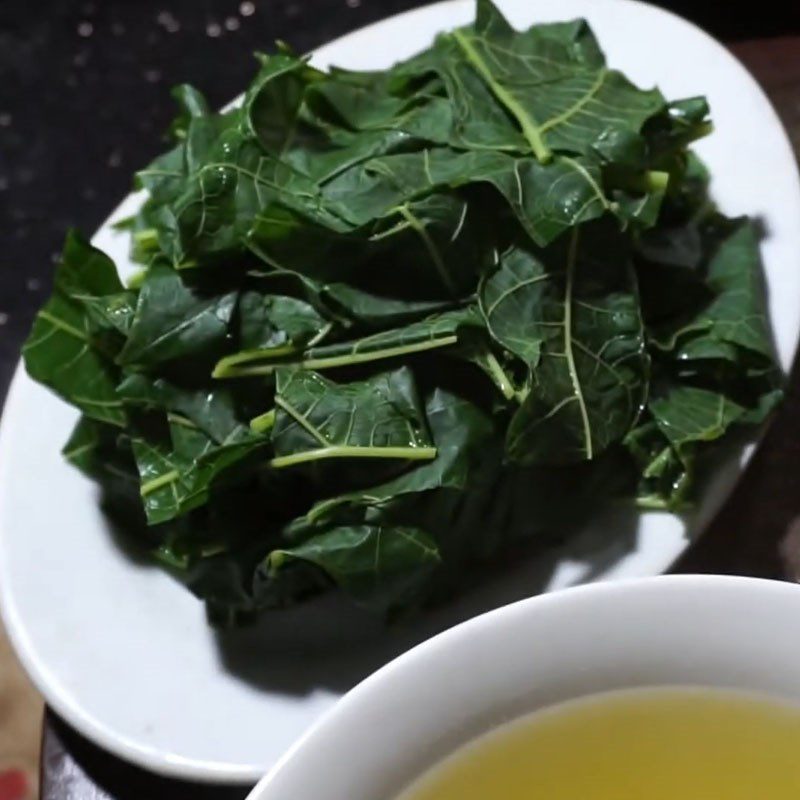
<point x="390" y="324"/>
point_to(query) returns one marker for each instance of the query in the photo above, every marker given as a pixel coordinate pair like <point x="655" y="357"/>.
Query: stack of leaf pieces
<point x="391" y="323"/>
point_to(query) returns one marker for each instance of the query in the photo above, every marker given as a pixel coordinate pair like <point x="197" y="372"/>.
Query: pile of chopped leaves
<point x="390" y="324"/>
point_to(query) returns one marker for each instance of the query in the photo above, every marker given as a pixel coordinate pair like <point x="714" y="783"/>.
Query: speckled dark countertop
<point x="84" y="97"/>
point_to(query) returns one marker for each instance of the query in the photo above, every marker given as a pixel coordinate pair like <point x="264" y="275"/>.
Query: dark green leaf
<point x="589" y="385"/>
<point x="377" y="566"/>
<point x="178" y="474"/>
<point x="738" y="313"/>
<point x="686" y="414"/>
<point x="379" y="418"/>
<point x="553" y="81"/>
<point x="64" y="350"/>
<point x="441" y="330"/>
<point x="734" y="315"/>
<point x="192" y="105"/>
<point x="375" y="311"/>
<point x="460" y="433"/>
<point x="273" y="101"/>
<point x="665" y="470"/>
<point x="546" y="199"/>
<point x="213" y="411"/>
<point x="173" y="321"/>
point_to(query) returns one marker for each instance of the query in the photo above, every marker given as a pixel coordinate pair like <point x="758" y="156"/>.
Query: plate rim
<point x="155" y="759"/>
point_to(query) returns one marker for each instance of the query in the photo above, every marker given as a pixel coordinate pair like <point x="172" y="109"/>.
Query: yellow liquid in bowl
<point x="670" y="744"/>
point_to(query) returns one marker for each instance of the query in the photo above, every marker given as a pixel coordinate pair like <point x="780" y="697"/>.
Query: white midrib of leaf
<point x="229" y="368"/>
<point x="438" y="262"/>
<point x="493" y="369"/>
<point x="153" y="485"/>
<point x="79" y="450"/>
<point x="530" y="128"/>
<point x="572" y="257"/>
<point x="330" y="450"/>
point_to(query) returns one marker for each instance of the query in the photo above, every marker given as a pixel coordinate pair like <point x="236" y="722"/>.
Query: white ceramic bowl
<point x="724" y="632"/>
<point x="142" y="674"/>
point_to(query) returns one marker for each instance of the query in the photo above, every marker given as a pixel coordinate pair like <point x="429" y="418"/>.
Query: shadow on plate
<point x="327" y="644"/>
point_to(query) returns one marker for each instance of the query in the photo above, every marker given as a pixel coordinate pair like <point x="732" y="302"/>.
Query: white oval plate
<point x="124" y="653"/>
